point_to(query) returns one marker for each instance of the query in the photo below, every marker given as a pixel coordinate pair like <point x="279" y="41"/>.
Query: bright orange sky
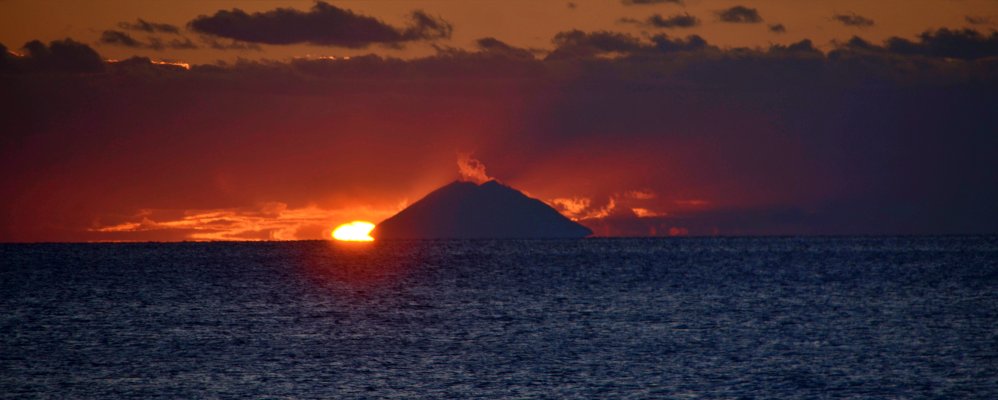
<point x="631" y="128"/>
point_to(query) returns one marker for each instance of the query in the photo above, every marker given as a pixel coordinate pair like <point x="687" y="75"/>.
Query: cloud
<point x="978" y="20"/>
<point x="692" y="43"/>
<point x="857" y="43"/>
<point x="944" y="43"/>
<point x="324" y="24"/>
<point x="870" y="137"/>
<point x="740" y="14"/>
<point x="640" y="194"/>
<point x="7" y="58"/>
<point x="496" y="46"/>
<point x="648" y="2"/>
<point x="119" y="38"/>
<point x="229" y="45"/>
<point x="180" y="44"/>
<point x="267" y="221"/>
<point x="150" y="27"/>
<point x="646" y="213"/>
<point x="628" y="203"/>
<point x="692" y="202"/>
<point x="777" y="28"/>
<point x="802" y="52"/>
<point x="574" y="208"/>
<point x="135" y="64"/>
<point x="596" y="213"/>
<point x="641" y="222"/>
<point x="948" y="43"/>
<point x="853" y="19"/>
<point x="674" y="21"/>
<point x="471" y="169"/>
<point x="579" y="44"/>
<point x="65" y="55"/>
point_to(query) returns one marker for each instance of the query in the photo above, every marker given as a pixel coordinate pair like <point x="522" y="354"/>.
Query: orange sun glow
<point x="356" y="231"/>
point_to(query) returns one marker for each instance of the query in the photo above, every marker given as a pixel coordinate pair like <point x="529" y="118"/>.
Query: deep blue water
<point x="596" y="318"/>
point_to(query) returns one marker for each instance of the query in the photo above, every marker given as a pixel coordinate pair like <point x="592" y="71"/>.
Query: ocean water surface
<point x="842" y="317"/>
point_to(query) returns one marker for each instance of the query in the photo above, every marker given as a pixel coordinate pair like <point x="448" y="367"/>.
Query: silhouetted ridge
<point x="466" y="210"/>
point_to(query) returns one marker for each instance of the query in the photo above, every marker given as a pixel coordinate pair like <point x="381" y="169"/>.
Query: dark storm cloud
<point x="150" y="27"/>
<point x="740" y="14"/>
<point x="852" y="19"/>
<point x="869" y="138"/>
<point x="648" y="2"/>
<point x="119" y="38"/>
<point x="324" y="24"/>
<point x="777" y="28"/>
<point x="674" y="21"/>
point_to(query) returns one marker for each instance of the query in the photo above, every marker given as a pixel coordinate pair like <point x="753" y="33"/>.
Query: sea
<point x="677" y="318"/>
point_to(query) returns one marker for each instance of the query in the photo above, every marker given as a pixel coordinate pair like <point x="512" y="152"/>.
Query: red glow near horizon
<point x="117" y="133"/>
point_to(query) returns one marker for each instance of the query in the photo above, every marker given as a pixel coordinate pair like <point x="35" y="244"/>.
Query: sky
<point x="279" y="120"/>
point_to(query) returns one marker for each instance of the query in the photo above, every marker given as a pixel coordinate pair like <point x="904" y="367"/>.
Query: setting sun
<point x="356" y="231"/>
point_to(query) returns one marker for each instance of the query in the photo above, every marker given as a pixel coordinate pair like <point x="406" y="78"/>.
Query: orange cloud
<point x="640" y="194"/>
<point x="692" y="203"/>
<point x="572" y="207"/>
<point x="268" y="221"/>
<point x="580" y="208"/>
<point x="646" y="213"/>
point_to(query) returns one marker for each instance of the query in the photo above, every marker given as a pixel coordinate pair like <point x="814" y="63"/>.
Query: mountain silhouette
<point x="465" y="210"/>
